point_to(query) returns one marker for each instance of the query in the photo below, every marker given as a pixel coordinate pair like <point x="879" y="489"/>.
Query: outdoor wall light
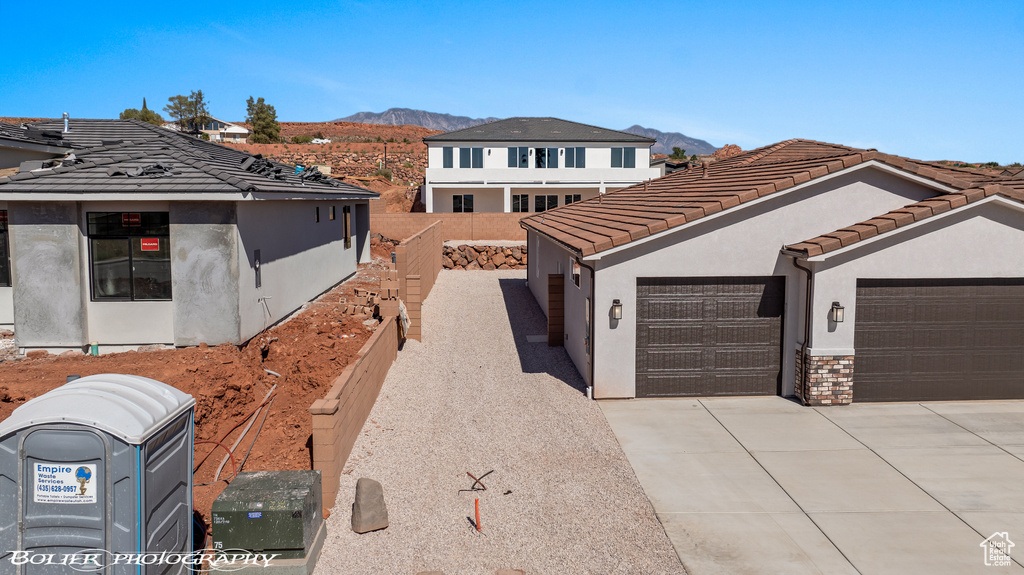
<point x="616" y="309"/>
<point x="838" y="312"/>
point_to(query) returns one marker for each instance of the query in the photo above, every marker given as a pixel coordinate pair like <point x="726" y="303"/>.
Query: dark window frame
<point x="572" y="199"/>
<point x="346" y="218"/>
<point x="459" y="204"/>
<point x="543" y="202"/>
<point x="520" y="202"/>
<point x="127" y="236"/>
<point x="5" y="251"/>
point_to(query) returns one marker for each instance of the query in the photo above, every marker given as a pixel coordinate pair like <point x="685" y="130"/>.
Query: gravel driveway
<point x="477" y="396"/>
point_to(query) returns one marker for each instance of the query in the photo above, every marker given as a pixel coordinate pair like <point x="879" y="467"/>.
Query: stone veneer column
<point x="829" y="379"/>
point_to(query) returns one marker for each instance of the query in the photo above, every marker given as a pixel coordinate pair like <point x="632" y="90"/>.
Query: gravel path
<point x="477" y="396"/>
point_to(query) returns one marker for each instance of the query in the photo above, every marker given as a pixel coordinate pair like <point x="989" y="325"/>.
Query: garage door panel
<point x="954" y="339"/>
<point x="709" y="336"/>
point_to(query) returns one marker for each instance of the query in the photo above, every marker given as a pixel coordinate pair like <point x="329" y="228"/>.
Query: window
<point x="346" y="215"/>
<point x="129" y="255"/>
<point x="546" y="157"/>
<point x="541" y="203"/>
<point x="623" y="157"/>
<point x="462" y="203"/>
<point x="570" y="198"/>
<point x="519" y="154"/>
<point x="576" y="157"/>
<point x="520" y="202"/>
<point x="471" y="157"/>
<point x="5" y="251"/>
<point x="316" y="214"/>
<point x="448" y="155"/>
<point x="330" y="213"/>
<point x="576" y="273"/>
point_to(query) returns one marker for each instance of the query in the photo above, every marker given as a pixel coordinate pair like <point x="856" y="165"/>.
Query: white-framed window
<point x="576" y="157"/>
<point x="518" y="157"/>
<point x="545" y="157"/>
<point x="623" y="157"/>
<point x="471" y="157"/>
<point x="576" y="273"/>
<point x="448" y="157"/>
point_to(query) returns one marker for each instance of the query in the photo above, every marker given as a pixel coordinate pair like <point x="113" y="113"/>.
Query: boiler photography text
<point x="91" y="559"/>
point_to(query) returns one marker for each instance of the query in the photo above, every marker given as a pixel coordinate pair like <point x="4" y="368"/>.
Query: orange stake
<point x="478" y="515"/>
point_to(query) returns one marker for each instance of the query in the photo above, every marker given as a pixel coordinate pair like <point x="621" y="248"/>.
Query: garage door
<point x="939" y="340"/>
<point x="709" y="336"/>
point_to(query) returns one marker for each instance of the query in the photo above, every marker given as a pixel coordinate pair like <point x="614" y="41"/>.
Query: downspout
<point x="807" y="317"/>
<point x="590" y="336"/>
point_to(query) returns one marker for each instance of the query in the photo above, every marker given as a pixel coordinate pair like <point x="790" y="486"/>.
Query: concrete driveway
<point x="764" y="485"/>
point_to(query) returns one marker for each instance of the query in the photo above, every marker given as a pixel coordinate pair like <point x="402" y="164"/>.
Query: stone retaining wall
<point x="465" y="257"/>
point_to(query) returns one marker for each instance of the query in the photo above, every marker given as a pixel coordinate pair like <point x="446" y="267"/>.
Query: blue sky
<point x="930" y="80"/>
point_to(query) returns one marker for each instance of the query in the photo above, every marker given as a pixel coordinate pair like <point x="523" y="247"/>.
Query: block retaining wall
<point x="339" y="416"/>
<point x="464" y="227"/>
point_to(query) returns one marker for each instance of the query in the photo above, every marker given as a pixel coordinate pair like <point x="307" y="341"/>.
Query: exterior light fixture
<point x="616" y="309"/>
<point x="838" y="312"/>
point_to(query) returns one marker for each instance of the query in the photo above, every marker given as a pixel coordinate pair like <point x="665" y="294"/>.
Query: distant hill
<point x="432" y="120"/>
<point x="448" y="122"/>
<point x="668" y="140"/>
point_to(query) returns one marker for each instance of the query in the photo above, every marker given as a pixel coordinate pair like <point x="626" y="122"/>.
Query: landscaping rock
<point x="368" y="511"/>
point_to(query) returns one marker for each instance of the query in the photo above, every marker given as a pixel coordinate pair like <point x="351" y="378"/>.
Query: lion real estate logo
<point x="997" y="549"/>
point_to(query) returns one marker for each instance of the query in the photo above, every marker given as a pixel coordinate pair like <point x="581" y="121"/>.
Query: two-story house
<point x="530" y="165"/>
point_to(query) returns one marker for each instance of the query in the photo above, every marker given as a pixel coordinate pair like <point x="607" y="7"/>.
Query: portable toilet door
<point x="97" y="471"/>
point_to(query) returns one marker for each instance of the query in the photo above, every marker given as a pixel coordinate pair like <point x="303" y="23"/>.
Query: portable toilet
<point x="101" y="466"/>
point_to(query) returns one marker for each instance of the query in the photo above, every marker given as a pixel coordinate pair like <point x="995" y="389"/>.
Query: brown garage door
<point x="939" y="340"/>
<point x="709" y="336"/>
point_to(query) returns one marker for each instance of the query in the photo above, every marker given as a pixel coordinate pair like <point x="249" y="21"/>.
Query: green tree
<point x="190" y="112"/>
<point x="263" y="119"/>
<point x="678" y="153"/>
<point x="145" y="115"/>
<point x="177" y="110"/>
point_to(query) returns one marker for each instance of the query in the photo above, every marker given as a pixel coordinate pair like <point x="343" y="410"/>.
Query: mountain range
<point x="447" y="122"/>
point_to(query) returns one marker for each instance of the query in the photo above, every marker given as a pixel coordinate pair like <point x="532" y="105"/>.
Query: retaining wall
<point x="418" y="261"/>
<point x="468" y="227"/>
<point x="340" y="415"/>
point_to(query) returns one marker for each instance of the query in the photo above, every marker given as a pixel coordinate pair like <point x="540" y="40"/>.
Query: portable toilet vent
<point x="101" y="466"/>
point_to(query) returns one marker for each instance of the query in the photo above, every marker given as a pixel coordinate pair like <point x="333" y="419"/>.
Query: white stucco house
<point x="135" y="235"/>
<point x="805" y="269"/>
<point x="219" y="131"/>
<point x="530" y="165"/>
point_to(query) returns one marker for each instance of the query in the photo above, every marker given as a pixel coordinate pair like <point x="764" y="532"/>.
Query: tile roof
<point x="10" y="131"/>
<point x="902" y="217"/>
<point x="620" y="217"/>
<point x="194" y="165"/>
<point x="537" y="130"/>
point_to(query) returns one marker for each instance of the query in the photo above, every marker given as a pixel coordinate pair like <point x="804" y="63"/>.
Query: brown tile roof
<point x="626" y="215"/>
<point x="903" y="217"/>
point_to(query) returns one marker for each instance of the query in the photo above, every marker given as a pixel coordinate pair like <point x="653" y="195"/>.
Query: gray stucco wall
<point x="299" y="257"/>
<point x="744" y="241"/>
<point x="49" y="302"/>
<point x="204" y="272"/>
<point x="983" y="241"/>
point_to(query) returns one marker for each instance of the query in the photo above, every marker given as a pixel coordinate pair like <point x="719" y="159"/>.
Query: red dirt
<point x="309" y="351"/>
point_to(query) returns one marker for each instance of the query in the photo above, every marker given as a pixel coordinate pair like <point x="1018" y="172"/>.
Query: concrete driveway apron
<point x="764" y="485"/>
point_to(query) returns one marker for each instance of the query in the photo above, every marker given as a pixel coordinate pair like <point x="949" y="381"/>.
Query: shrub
<point x="381" y="172"/>
<point x="302" y="139"/>
<point x="407" y="165"/>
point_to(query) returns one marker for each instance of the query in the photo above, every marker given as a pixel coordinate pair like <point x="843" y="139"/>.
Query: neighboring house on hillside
<point x="530" y="165"/>
<point x="218" y="130"/>
<point x="830" y="273"/>
<point x="144" y="236"/>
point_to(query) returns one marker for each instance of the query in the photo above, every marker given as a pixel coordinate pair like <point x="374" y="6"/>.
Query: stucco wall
<point x="204" y="272"/>
<point x="979" y="241"/>
<point x="744" y="241"/>
<point x="49" y="304"/>
<point x="484" y="199"/>
<point x="300" y="258"/>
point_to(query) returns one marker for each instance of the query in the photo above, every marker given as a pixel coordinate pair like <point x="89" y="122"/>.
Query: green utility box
<point x="270" y="512"/>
